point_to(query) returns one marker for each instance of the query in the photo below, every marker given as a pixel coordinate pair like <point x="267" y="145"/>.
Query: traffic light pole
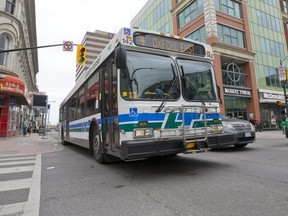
<point x="284" y="87"/>
<point x="28" y="48"/>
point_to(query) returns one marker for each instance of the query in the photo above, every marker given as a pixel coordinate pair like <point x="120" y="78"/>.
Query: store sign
<point x="267" y="95"/>
<point x="237" y="92"/>
<point x="9" y="86"/>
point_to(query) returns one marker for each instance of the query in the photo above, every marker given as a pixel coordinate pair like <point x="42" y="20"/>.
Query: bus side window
<point x="92" y="94"/>
<point x="72" y="108"/>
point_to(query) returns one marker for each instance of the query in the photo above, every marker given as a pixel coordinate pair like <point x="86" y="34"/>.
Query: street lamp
<point x="49" y="111"/>
<point x="45" y="126"/>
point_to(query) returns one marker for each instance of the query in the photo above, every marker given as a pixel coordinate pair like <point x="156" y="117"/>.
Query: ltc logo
<point x="174" y="120"/>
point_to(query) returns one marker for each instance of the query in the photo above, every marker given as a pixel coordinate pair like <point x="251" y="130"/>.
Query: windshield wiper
<point x="159" y="109"/>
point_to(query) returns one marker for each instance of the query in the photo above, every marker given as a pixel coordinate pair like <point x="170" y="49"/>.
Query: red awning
<point x="13" y="86"/>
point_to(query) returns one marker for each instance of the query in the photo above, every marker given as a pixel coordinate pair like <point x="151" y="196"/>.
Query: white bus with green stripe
<point x="147" y="94"/>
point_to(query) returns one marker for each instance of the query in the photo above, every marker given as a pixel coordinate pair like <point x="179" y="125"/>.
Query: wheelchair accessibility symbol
<point x="133" y="112"/>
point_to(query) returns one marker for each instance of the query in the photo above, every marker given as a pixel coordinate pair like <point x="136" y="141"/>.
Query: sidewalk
<point x="29" y="144"/>
<point x="270" y="134"/>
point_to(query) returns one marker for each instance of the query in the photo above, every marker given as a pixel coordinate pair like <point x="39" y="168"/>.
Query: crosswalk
<point x="20" y="178"/>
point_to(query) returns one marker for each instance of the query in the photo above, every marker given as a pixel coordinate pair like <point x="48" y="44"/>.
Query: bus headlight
<point x="143" y="132"/>
<point x="217" y="128"/>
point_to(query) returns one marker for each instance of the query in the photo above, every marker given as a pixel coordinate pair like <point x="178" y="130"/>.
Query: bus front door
<point x="109" y="108"/>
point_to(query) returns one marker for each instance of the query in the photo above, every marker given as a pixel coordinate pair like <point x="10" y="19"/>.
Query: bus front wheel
<point x="98" y="148"/>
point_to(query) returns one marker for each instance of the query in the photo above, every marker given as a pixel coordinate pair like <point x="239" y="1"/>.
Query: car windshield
<point x="197" y="83"/>
<point x="149" y="77"/>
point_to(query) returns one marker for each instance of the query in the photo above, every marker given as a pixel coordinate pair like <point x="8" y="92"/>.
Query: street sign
<point x="67" y="45"/>
<point x="281" y="73"/>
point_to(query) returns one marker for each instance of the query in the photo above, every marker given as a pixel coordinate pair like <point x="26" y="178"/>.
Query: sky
<point x="69" y="20"/>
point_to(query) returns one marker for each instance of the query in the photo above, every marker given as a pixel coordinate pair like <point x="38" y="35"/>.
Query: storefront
<point x="272" y="112"/>
<point x="236" y="102"/>
<point x="12" y="96"/>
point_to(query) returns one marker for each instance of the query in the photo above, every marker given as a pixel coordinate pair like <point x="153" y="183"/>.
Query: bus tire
<point x="97" y="146"/>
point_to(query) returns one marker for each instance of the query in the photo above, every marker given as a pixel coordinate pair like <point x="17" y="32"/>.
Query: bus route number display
<point x="170" y="44"/>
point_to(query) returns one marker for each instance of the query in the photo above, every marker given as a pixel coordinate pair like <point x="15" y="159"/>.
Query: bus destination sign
<point x="166" y="43"/>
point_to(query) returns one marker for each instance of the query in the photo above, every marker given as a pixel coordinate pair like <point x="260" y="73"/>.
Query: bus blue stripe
<point x="146" y="117"/>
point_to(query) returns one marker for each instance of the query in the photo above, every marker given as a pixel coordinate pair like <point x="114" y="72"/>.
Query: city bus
<point x="147" y="94"/>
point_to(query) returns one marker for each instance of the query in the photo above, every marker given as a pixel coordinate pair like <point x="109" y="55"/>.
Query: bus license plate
<point x="190" y="145"/>
<point x="247" y="134"/>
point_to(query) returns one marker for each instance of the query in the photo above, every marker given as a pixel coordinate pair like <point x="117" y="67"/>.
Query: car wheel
<point x="240" y="145"/>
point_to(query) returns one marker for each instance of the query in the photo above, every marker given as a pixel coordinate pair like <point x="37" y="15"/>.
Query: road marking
<point x="15" y="184"/>
<point x="16" y="169"/>
<point x="12" y="209"/>
<point x="32" y="206"/>
<point x="17" y="162"/>
<point x="17" y="159"/>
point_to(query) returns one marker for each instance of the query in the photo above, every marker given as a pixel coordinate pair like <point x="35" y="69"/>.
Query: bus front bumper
<point x="137" y="149"/>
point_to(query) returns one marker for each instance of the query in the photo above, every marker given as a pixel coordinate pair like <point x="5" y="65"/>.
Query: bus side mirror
<point x="121" y="58"/>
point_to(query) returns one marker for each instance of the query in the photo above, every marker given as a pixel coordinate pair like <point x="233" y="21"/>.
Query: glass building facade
<point x="156" y="16"/>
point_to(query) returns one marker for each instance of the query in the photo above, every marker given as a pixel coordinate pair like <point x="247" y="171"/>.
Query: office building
<point x="248" y="38"/>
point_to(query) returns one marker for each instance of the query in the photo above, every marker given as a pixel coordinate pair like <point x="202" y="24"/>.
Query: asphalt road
<point x="250" y="181"/>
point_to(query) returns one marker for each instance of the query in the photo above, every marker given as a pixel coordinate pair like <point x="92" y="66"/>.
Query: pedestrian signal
<point x="81" y="54"/>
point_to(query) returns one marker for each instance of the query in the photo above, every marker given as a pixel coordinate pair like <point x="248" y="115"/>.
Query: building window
<point x="271" y="47"/>
<point x="230" y="36"/>
<point x="268" y="21"/>
<point x="230" y="7"/>
<point x="270" y="2"/>
<point x="190" y="12"/>
<point x="160" y="11"/>
<point x="198" y="35"/>
<point x="285" y="5"/>
<point x="233" y="75"/>
<point x="4" y="44"/>
<point x="165" y="28"/>
<point x="271" y="76"/>
<point x="10" y="6"/>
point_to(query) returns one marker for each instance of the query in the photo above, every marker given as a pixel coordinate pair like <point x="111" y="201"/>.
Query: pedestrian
<point x="25" y="125"/>
<point x="29" y="129"/>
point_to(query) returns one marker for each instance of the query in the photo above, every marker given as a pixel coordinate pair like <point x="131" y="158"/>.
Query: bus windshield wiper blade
<point x="159" y="109"/>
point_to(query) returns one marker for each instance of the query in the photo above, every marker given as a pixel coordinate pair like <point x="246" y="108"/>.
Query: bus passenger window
<point x="92" y="95"/>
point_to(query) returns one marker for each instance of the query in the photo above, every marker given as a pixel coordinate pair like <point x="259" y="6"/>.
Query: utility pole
<point x="284" y="82"/>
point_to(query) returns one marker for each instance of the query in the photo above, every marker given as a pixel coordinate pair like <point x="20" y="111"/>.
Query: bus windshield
<point x="149" y="77"/>
<point x="197" y="83"/>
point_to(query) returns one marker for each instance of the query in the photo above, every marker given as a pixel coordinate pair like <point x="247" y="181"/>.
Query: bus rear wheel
<point x="98" y="148"/>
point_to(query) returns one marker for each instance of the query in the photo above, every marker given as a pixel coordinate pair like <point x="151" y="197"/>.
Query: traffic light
<point x="81" y="54"/>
